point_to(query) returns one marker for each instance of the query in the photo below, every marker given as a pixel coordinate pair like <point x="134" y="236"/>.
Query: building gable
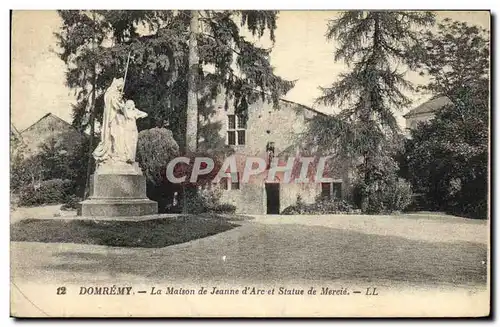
<point x="51" y="128"/>
<point x="263" y="125"/>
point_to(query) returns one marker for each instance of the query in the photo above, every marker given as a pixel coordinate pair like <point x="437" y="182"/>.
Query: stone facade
<point x="425" y="112"/>
<point x="267" y="127"/>
<point x="51" y="128"/>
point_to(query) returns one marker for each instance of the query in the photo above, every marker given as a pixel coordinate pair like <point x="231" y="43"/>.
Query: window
<point x="231" y="183"/>
<point x="325" y="190"/>
<point x="236" y="130"/>
<point x="331" y="191"/>
<point x="336" y="191"/>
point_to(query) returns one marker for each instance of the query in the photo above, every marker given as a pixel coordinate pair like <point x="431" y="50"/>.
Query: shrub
<point x="53" y="160"/>
<point x="155" y="148"/>
<point x="389" y="196"/>
<point x="224" y="208"/>
<point x="320" y="207"/>
<point x="48" y="192"/>
<point x="206" y="200"/>
<point x="402" y="196"/>
<point x="291" y="210"/>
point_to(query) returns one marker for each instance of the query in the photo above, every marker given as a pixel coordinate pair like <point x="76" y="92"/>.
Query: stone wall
<point x="265" y="124"/>
<point x="48" y="128"/>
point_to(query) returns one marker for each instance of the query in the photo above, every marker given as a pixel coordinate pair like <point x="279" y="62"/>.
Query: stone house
<point x="51" y="128"/>
<point x="267" y="133"/>
<point x="425" y="112"/>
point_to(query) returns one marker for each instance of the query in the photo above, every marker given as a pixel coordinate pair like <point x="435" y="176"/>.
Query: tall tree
<point x="454" y="56"/>
<point x="447" y="159"/>
<point x="80" y="38"/>
<point x="158" y="73"/>
<point x="371" y="44"/>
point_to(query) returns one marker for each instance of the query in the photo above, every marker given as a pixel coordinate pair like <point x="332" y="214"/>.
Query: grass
<point x="252" y="252"/>
<point x="154" y="233"/>
<point x="285" y="254"/>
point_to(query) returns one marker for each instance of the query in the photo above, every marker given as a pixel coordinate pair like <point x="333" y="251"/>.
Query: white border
<point x="185" y="4"/>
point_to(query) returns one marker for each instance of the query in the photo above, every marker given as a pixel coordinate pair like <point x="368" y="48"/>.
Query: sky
<point x="301" y="52"/>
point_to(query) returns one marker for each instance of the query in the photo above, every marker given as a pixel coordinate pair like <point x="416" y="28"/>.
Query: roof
<point x="429" y="106"/>
<point x="14" y="131"/>
<point x="304" y="106"/>
<point x="52" y="116"/>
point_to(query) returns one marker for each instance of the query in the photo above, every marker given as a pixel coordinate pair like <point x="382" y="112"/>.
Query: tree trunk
<point x="192" y="98"/>
<point x="368" y="115"/>
<point x="92" y="115"/>
<point x="192" y="101"/>
<point x="91" y="138"/>
<point x="365" y="200"/>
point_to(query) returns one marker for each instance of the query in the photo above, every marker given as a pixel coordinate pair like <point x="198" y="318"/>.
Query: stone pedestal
<point x="118" y="194"/>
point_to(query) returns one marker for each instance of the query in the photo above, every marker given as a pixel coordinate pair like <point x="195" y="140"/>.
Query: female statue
<point x="118" y="130"/>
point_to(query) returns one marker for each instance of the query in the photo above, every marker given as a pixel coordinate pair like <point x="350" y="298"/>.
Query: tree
<point x="371" y="44"/>
<point x="158" y="72"/>
<point x="160" y="77"/>
<point x="454" y="56"/>
<point x="447" y="159"/>
<point x="80" y="39"/>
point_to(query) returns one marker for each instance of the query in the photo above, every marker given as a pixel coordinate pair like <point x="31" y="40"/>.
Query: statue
<point x="118" y="187"/>
<point x="118" y="145"/>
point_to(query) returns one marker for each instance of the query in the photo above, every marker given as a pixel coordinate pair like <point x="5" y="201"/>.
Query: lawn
<point x="252" y="252"/>
<point x="155" y="233"/>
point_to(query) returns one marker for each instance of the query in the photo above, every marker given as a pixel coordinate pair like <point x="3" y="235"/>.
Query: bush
<point x="155" y="148"/>
<point x="320" y="207"/>
<point x="206" y="200"/>
<point x="48" y="192"/>
<point x="53" y="160"/>
<point x="224" y="208"/>
<point x="390" y="196"/>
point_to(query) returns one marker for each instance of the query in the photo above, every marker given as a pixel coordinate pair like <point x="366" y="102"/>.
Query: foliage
<point x="48" y="192"/>
<point x="18" y="173"/>
<point x="387" y="196"/>
<point x="207" y="200"/>
<point x="155" y="148"/>
<point x="24" y="172"/>
<point x="455" y="55"/>
<point x="157" y="74"/>
<point x="371" y="44"/>
<point x="320" y="207"/>
<point x="53" y="161"/>
<point x="447" y="158"/>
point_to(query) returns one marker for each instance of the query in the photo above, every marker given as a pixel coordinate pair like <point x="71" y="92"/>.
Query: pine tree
<point x="371" y="44"/>
<point x="165" y="77"/>
<point x="80" y="38"/>
<point x="158" y="73"/>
